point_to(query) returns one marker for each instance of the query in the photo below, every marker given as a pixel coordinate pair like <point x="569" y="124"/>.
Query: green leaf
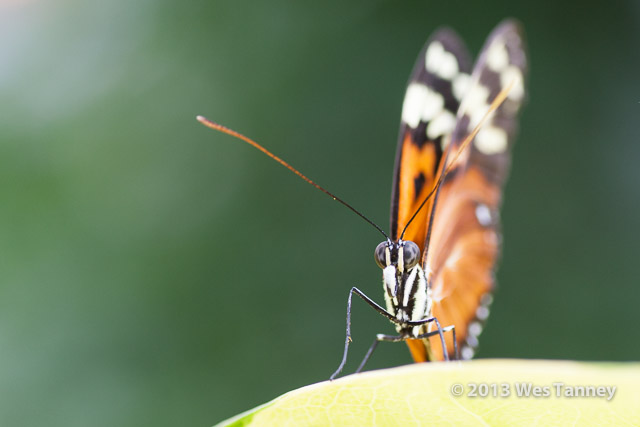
<point x="422" y="394"/>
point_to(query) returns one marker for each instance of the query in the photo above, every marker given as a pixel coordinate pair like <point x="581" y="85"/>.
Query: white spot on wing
<point x="411" y="106"/>
<point x="483" y="215"/>
<point x="472" y="341"/>
<point x="442" y="124"/>
<point x="460" y="85"/>
<point x="433" y="105"/>
<point x="475" y="104"/>
<point x="467" y="353"/>
<point x="486" y="300"/>
<point x="497" y="56"/>
<point x="482" y="313"/>
<point x="420" y="103"/>
<point x="491" y="140"/>
<point x="440" y="62"/>
<point x="513" y="75"/>
<point x="475" y="329"/>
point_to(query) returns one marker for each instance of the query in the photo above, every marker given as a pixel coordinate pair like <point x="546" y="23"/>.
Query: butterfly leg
<point x="398" y="338"/>
<point x="455" y="342"/>
<point x="347" y="340"/>
<point x="441" y="332"/>
<point x="379" y="337"/>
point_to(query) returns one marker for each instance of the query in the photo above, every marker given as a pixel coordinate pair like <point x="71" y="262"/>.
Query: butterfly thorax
<point x="406" y="291"/>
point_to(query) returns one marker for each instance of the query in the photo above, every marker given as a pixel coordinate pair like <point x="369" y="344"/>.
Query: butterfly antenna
<point x="224" y="129"/>
<point x="498" y="100"/>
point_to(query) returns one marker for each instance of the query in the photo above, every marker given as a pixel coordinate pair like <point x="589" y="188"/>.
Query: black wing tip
<point x="506" y="26"/>
<point x="509" y="25"/>
<point x="450" y="39"/>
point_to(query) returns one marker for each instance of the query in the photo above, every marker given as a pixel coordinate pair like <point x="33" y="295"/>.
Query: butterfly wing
<point x="465" y="241"/>
<point x="428" y="114"/>
<point x="432" y="98"/>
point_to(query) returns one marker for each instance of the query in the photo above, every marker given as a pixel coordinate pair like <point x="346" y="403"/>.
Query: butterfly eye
<point x="411" y="254"/>
<point x="380" y="254"/>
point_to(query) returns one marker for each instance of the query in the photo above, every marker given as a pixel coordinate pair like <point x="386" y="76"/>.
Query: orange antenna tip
<point x="215" y="126"/>
<point x="207" y="122"/>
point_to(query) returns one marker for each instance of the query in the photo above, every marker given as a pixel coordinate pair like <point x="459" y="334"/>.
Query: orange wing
<point x="428" y="118"/>
<point x="465" y="240"/>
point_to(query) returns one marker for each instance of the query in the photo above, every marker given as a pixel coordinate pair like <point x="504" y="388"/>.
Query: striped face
<point x="405" y="285"/>
<point x="457" y="231"/>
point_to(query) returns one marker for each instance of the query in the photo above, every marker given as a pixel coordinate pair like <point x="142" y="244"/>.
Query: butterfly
<point x="450" y="247"/>
<point x="458" y="125"/>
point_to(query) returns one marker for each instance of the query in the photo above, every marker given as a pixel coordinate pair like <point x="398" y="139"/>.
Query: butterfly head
<point x="403" y="254"/>
<point x="396" y="259"/>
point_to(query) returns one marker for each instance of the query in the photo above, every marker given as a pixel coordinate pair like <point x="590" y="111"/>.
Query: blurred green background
<point x="154" y="272"/>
